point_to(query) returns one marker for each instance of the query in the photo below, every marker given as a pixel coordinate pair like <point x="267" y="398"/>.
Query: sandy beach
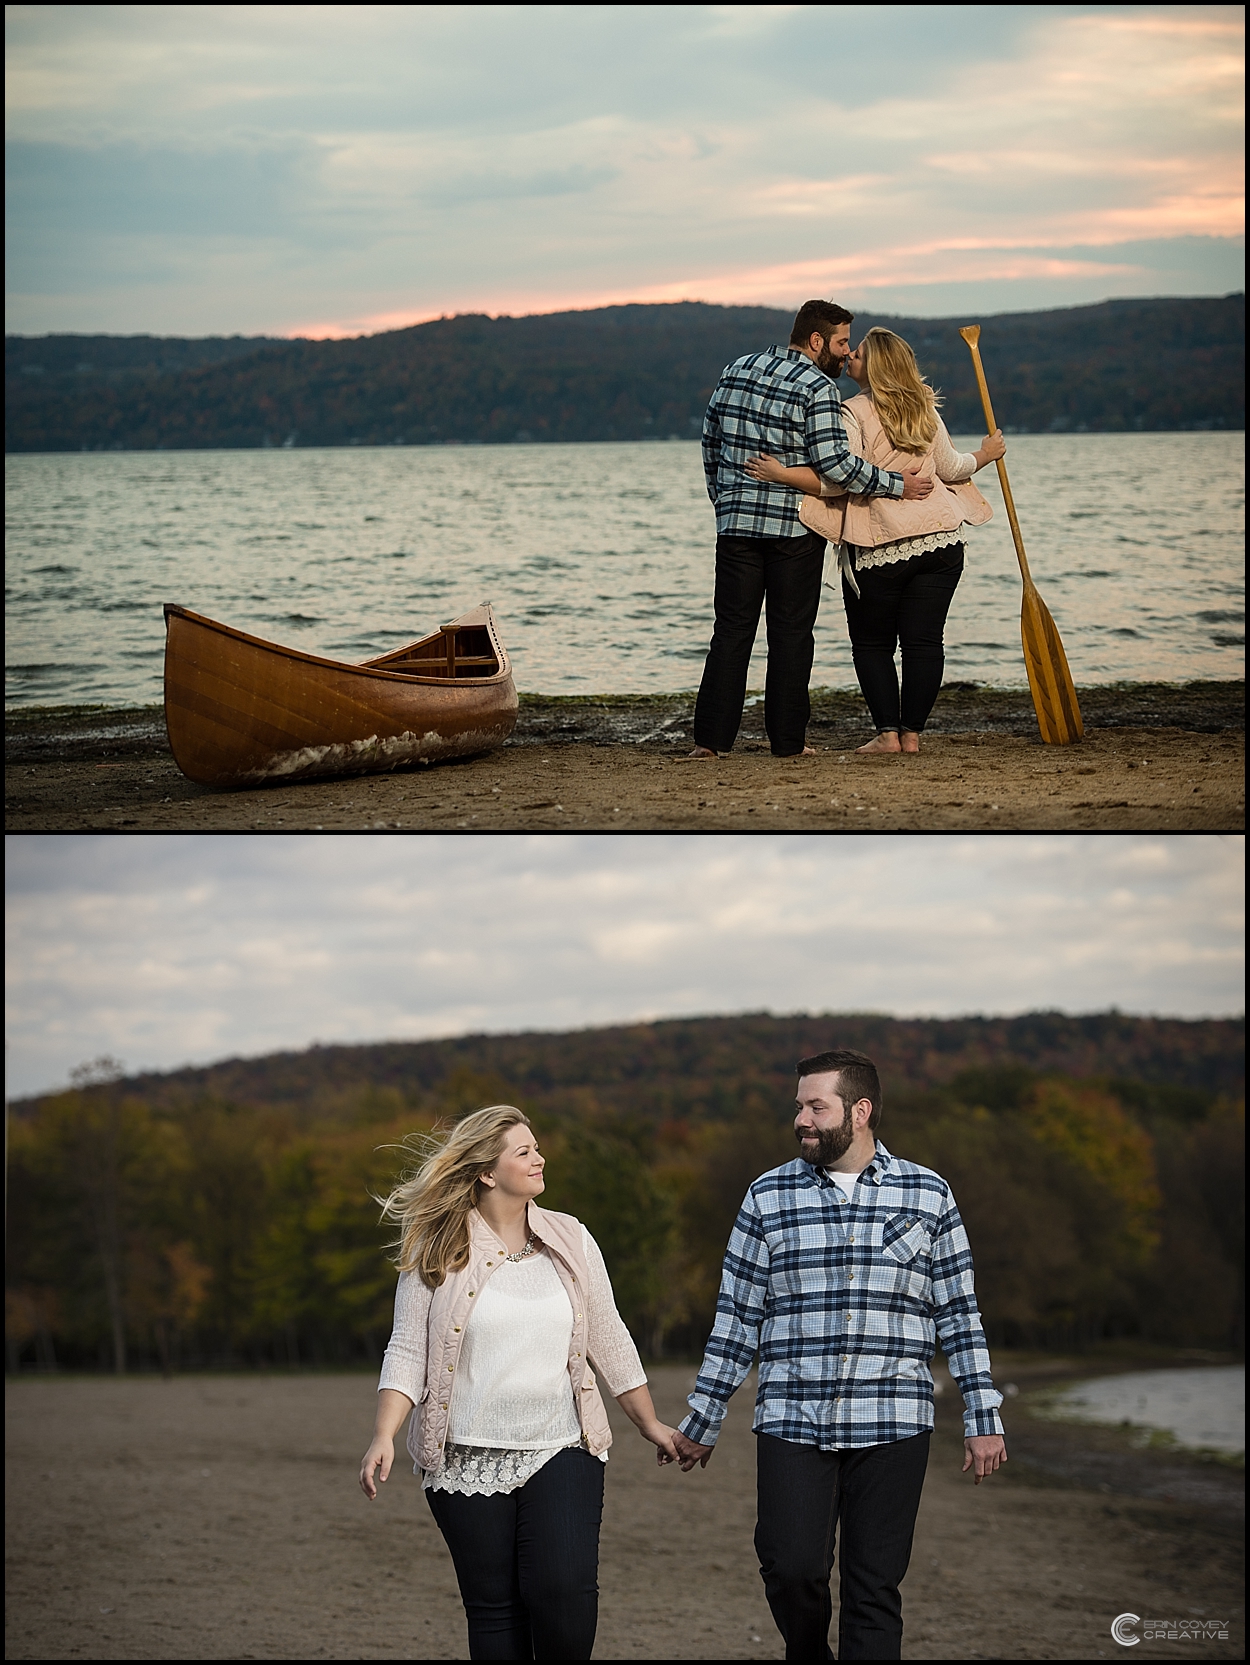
<point x="218" y="1517"/>
<point x="1155" y="756"/>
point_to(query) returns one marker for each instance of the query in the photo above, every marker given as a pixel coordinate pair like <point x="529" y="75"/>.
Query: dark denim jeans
<point x="527" y="1561"/>
<point x="782" y="575"/>
<point x="905" y="604"/>
<point x="805" y="1494"/>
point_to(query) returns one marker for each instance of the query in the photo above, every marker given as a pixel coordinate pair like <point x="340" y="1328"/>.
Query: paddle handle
<point x="972" y="335"/>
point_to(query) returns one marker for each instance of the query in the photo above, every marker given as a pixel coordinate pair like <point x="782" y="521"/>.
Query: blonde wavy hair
<point x="904" y="401"/>
<point x="433" y="1205"/>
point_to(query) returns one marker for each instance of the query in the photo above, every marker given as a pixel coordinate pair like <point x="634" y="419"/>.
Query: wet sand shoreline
<point x="1156" y="755"/>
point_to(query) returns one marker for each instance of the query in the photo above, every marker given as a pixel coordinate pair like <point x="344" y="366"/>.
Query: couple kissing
<point x="790" y="469"/>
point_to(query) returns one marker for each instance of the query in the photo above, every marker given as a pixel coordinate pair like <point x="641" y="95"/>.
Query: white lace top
<point x="512" y="1408"/>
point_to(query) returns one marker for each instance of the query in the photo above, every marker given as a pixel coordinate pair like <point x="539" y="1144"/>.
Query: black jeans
<point x="527" y="1561"/>
<point x="905" y="602"/>
<point x="803" y="1495"/>
<point x="782" y="575"/>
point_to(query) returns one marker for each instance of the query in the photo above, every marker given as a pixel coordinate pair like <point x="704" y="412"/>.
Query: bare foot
<point x="909" y="740"/>
<point x="808" y="751"/>
<point x="882" y="744"/>
<point x="699" y="751"/>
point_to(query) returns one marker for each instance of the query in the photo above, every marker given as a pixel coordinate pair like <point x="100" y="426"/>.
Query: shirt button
<point x="846" y="1358"/>
<point x="851" y="1238"/>
<point x="850" y="1277"/>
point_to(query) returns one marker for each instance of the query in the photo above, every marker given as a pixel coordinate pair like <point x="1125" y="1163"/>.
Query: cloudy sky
<point x="334" y="169"/>
<point x="169" y="950"/>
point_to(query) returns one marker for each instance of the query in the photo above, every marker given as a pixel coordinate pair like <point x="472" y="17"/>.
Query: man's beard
<point x="830" y="362"/>
<point x="831" y="1143"/>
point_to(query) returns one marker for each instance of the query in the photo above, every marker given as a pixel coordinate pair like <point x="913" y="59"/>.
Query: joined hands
<point x="690" y="1452"/>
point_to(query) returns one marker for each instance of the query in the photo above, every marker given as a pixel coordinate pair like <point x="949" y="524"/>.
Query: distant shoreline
<point x="632" y="372"/>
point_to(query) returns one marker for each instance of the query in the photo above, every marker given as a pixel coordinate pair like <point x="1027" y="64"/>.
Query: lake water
<point x="1199" y="1408"/>
<point x="597" y="558"/>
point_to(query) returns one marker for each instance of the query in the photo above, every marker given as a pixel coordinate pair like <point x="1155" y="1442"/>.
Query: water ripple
<point x="598" y="559"/>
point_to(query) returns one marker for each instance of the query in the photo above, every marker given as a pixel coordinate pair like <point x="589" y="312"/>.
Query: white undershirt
<point x="845" y="1182"/>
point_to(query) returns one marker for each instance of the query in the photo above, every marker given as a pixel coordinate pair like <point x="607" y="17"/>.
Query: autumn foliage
<point x="224" y="1217"/>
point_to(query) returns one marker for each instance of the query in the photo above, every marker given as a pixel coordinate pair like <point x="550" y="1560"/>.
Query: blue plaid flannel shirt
<point x="780" y="403"/>
<point x="843" y="1301"/>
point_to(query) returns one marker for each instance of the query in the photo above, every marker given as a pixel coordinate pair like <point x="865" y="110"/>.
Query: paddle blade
<point x="1054" y="697"/>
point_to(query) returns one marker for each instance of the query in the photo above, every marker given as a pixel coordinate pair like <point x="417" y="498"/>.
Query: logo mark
<point x="1120" y="1630"/>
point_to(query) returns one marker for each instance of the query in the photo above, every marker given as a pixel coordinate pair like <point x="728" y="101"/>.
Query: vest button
<point x="451" y="1367"/>
<point x="472" y="1293"/>
<point x="457" y="1329"/>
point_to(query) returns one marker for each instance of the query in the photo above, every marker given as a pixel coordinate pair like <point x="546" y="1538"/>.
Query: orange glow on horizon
<point x="918" y="267"/>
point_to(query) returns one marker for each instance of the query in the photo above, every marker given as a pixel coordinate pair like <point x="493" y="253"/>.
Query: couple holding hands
<point x="844" y="1269"/>
<point x="789" y="467"/>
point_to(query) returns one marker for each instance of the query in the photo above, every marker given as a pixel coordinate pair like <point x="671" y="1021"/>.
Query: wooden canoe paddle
<point x="1054" y="697"/>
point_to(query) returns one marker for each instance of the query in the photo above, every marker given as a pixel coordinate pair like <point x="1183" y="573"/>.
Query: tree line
<point x="169" y="1223"/>
<point x="614" y="373"/>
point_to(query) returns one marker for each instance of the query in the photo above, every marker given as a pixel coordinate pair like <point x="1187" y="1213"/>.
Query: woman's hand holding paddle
<point x="991" y="448"/>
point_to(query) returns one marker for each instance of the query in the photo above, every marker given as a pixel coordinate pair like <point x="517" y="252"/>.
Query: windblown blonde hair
<point x="904" y="401"/>
<point x="433" y="1205"/>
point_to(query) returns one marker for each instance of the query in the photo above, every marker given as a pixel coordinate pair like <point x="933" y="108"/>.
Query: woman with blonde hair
<point x="900" y="561"/>
<point x="501" y="1311"/>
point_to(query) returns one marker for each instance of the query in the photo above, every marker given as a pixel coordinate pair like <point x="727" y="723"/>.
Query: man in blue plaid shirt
<point x="843" y="1270"/>
<point x="784" y="402"/>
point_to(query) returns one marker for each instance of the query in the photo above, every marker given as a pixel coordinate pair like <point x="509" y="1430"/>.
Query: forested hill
<point x="625" y="372"/>
<point x="226" y="1215"/>
<point x="702" y="1068"/>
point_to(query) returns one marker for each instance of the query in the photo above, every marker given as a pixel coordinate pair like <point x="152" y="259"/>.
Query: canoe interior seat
<point x="452" y="653"/>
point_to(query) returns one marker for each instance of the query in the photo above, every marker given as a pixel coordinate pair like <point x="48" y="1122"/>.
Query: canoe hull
<point x="243" y="712"/>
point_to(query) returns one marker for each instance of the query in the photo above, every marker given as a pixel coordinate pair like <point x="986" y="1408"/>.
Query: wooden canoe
<point x="241" y="711"/>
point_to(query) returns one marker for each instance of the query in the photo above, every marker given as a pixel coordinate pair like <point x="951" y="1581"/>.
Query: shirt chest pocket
<point x="905" y="1239"/>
